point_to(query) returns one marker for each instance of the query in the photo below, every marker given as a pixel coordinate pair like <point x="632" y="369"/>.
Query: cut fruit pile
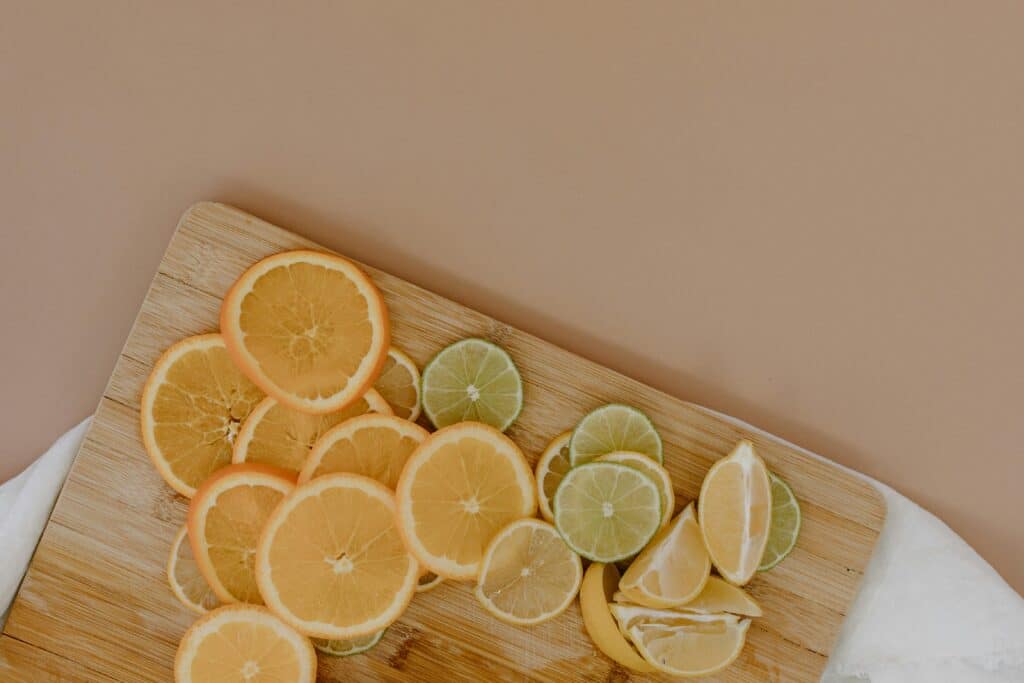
<point x="319" y="509"/>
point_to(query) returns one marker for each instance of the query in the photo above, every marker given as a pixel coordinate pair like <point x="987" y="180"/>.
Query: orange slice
<point x="244" y="644"/>
<point x="551" y="467"/>
<point x="598" y="584"/>
<point x="674" y="567"/>
<point x="458" y="489"/>
<point x="735" y="511"/>
<point x="187" y="582"/>
<point x="310" y="329"/>
<point x="192" y="406"/>
<point x="224" y="523"/>
<point x="528" y="574"/>
<point x="399" y="384"/>
<point x="277" y="435"/>
<point x="428" y="581"/>
<point x="376" y="446"/>
<point x="331" y="561"/>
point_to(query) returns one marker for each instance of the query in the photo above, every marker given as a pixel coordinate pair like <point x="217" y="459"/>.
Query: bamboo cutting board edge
<point x="188" y="273"/>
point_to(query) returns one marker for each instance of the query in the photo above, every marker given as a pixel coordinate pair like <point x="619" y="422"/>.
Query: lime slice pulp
<point x="614" y="427"/>
<point x="472" y="379"/>
<point x="785" y="524"/>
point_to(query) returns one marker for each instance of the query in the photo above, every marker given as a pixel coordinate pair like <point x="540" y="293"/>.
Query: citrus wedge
<point x="472" y="379"/>
<point x="598" y="584"/>
<point x="331" y="561"/>
<point x="277" y="435"/>
<point x="658" y="474"/>
<point x="243" y="644"/>
<point x="428" y="581"/>
<point x="674" y="567"/>
<point x="735" y="511"/>
<point x="528" y="575"/>
<point x="551" y="467"/>
<point x="376" y="446"/>
<point x="696" y="645"/>
<point x="721" y="596"/>
<point x="224" y="522"/>
<point x="785" y="524"/>
<point x="187" y="582"/>
<point x="192" y="406"/>
<point x="399" y="384"/>
<point x="614" y="427"/>
<point x="607" y="512"/>
<point x="308" y="328"/>
<point x="458" y="489"/>
<point x="347" y="648"/>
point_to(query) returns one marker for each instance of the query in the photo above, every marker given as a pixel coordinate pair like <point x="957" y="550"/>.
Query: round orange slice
<point x="277" y="435"/>
<point x="309" y="328"/>
<point x="224" y="522"/>
<point x="187" y="582"/>
<point x="375" y="446"/>
<point x="458" y="489"/>
<point x="551" y="468"/>
<point x="193" y="404"/>
<point x="399" y="384"/>
<point x="244" y="644"/>
<point x="735" y="512"/>
<point x="331" y="561"/>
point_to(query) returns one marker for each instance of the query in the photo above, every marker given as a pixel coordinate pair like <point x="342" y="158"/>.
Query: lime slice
<point x="472" y="380"/>
<point x="785" y="524"/>
<point x="607" y="512"/>
<point x="345" y="648"/>
<point x="610" y="428"/>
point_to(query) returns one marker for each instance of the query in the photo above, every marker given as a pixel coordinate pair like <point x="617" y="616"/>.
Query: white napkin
<point x="930" y="610"/>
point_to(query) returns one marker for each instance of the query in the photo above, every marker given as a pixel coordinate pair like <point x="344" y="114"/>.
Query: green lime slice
<point x="785" y="524"/>
<point x="346" y="648"/>
<point x="607" y="512"/>
<point x="614" y="427"/>
<point x="472" y="379"/>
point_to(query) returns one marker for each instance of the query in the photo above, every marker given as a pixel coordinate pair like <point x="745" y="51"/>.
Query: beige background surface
<point x="806" y="215"/>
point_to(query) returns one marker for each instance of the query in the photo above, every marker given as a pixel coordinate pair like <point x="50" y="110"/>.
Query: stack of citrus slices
<point x="319" y="508"/>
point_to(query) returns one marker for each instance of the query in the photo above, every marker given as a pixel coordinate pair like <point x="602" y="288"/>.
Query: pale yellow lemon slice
<point x="599" y="582"/>
<point x="244" y="644"/>
<point x="458" y="489"/>
<point x="696" y="645"/>
<point x="528" y="575"/>
<point x="718" y="596"/>
<point x="331" y="561"/>
<point x="673" y="568"/>
<point x="308" y="328"/>
<point x="735" y="511"/>
<point x="376" y="446"/>
<point x="193" y="405"/>
<point x="277" y="435"/>
<point x="399" y="384"/>
<point x="225" y="518"/>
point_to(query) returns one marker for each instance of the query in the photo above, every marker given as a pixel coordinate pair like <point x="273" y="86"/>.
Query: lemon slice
<point x="458" y="489"/>
<point x="699" y="645"/>
<point x="598" y="584"/>
<point x="347" y="648"/>
<point x="658" y="474"/>
<point x="375" y="446"/>
<point x="399" y="384"/>
<point x="607" y="512"/>
<point x="718" y="596"/>
<point x="244" y="643"/>
<point x="472" y="379"/>
<point x="528" y="574"/>
<point x="224" y="522"/>
<point x="193" y="404"/>
<point x="308" y="328"/>
<point x="187" y="582"/>
<point x="673" y="568"/>
<point x="735" y="511"/>
<point x="785" y="524"/>
<point x="551" y="467"/>
<point x="330" y="559"/>
<point x="277" y="435"/>
<point x="611" y="428"/>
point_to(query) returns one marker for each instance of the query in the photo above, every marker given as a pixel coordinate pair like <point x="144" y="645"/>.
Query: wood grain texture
<point x="96" y="585"/>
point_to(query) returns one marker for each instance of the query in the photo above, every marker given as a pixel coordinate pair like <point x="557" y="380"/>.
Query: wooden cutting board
<point x="95" y="605"/>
